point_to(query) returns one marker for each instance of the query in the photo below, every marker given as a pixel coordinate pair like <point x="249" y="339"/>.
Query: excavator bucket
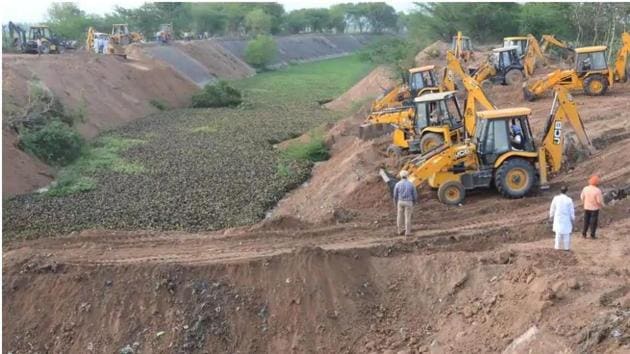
<point x="389" y="179"/>
<point x="369" y="131"/>
<point x="527" y="93"/>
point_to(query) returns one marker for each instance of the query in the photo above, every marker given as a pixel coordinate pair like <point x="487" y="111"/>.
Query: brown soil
<point x="21" y="172"/>
<point x="112" y="91"/>
<point x="370" y="87"/>
<point x="327" y="273"/>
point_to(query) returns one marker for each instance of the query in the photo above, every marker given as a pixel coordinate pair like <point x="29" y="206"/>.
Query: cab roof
<point x="515" y="38"/>
<point x="437" y="96"/>
<point x="504" y="113"/>
<point x="421" y="69"/>
<point x="597" y="48"/>
<point x="503" y="49"/>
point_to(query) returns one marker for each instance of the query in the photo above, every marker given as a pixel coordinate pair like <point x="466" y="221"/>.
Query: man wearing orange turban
<point x="592" y="201"/>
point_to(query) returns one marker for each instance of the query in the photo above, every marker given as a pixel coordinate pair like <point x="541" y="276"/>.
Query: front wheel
<point x="515" y="178"/>
<point x="451" y="193"/>
<point x="595" y="85"/>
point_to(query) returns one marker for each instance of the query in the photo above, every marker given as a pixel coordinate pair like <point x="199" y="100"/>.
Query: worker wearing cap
<point x="562" y="213"/>
<point x="592" y="200"/>
<point x="405" y="196"/>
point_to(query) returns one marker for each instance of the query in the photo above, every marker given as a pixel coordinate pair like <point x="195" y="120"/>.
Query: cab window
<point x="591" y="61"/>
<point x="416" y="82"/>
<point x="497" y="141"/>
<point x="422" y="116"/>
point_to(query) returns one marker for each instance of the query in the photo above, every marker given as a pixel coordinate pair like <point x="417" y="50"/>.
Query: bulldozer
<point x="503" y="67"/>
<point x="494" y="156"/>
<point x="590" y="74"/>
<point x="435" y="119"/>
<point x="120" y="38"/>
<point x="462" y="47"/>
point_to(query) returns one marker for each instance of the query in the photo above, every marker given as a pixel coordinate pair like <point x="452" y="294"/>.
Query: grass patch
<point x="208" y="129"/>
<point x="307" y="82"/>
<point x="159" y="104"/>
<point x="104" y="154"/>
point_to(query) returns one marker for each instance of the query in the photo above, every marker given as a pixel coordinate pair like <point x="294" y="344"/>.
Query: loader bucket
<point x="527" y="93"/>
<point x="389" y="179"/>
<point x="369" y="131"/>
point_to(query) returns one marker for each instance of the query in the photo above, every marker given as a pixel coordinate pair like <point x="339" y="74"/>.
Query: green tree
<point x="67" y="20"/>
<point x="261" y="51"/>
<point x="338" y="20"/>
<point x="543" y="18"/>
<point x="380" y="16"/>
<point x="209" y="18"/>
<point x="258" y="22"/>
<point x="295" y="21"/>
<point x="317" y="19"/>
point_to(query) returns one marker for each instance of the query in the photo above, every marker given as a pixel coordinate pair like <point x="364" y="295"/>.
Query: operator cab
<point x="37" y="32"/>
<point x="437" y="109"/>
<point x="466" y="44"/>
<point x="497" y="133"/>
<point x="422" y="79"/>
<point x="505" y="58"/>
<point x="591" y="59"/>
<point x="519" y="42"/>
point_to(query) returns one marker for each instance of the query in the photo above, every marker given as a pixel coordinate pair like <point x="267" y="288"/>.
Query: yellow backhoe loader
<point x="549" y="39"/>
<point x="590" y="74"/>
<point x="503" y="67"/>
<point x="501" y="153"/>
<point x="419" y="81"/>
<point x="462" y="47"/>
<point x="120" y="38"/>
<point x="435" y="119"/>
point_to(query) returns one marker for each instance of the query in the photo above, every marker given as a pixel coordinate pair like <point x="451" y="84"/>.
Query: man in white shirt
<point x="563" y="215"/>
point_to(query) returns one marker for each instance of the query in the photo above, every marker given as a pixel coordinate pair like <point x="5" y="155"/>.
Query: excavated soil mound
<point x="432" y="53"/>
<point x="21" y="172"/>
<point x="370" y="87"/>
<point x="112" y="91"/>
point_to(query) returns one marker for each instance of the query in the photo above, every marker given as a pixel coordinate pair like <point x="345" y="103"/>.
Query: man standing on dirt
<point x="563" y="214"/>
<point x="592" y="200"/>
<point x="405" y="196"/>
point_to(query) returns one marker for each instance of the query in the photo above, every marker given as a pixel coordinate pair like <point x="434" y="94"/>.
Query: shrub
<point x="261" y="51"/>
<point x="55" y="143"/>
<point x="218" y="95"/>
<point x="159" y="104"/>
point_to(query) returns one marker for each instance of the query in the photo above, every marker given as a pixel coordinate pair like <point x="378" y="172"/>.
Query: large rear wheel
<point x="430" y="141"/>
<point x="515" y="178"/>
<point x="595" y="85"/>
<point x="451" y="193"/>
<point x="514" y="77"/>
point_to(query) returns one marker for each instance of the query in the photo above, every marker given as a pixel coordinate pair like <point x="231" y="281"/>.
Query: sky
<point x="32" y="11"/>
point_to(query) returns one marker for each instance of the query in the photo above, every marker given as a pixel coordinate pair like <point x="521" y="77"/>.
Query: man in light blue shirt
<point x="562" y="213"/>
<point x="405" y="196"/>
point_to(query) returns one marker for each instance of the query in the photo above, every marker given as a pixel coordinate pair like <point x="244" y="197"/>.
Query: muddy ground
<point x="328" y="274"/>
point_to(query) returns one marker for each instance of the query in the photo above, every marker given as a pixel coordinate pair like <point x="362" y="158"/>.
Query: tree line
<point x="227" y="19"/>
<point x="581" y="23"/>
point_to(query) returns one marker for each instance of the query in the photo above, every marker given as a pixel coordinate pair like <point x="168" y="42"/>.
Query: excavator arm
<point x="89" y="40"/>
<point x="622" y="71"/>
<point x="563" y="110"/>
<point x="548" y="39"/>
<point x="533" y="53"/>
<point x="475" y="94"/>
<point x="392" y="98"/>
<point x="558" y="77"/>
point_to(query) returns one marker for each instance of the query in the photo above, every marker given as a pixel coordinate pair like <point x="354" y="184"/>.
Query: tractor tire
<point x="451" y="193"/>
<point x="514" y="77"/>
<point x="515" y="178"/>
<point x="595" y="85"/>
<point x="430" y="141"/>
<point x="44" y="48"/>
